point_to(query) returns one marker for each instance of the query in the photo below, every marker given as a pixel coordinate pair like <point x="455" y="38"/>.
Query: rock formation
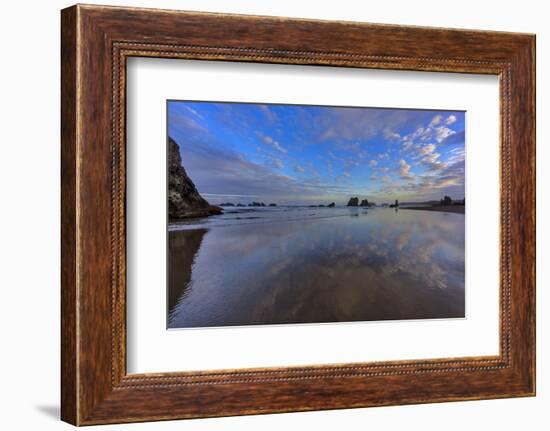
<point x="364" y="203"/>
<point x="184" y="200"/>
<point x="353" y="202"/>
<point x="331" y="205"/>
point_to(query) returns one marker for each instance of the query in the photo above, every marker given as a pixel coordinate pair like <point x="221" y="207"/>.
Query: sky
<point x="301" y="154"/>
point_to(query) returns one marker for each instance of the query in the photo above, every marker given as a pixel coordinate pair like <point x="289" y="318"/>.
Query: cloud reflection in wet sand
<point x="383" y="265"/>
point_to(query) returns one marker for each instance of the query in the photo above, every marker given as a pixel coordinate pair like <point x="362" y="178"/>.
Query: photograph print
<point x="293" y="214"/>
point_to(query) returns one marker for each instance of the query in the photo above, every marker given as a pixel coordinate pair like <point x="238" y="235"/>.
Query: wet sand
<point x="456" y="209"/>
<point x="355" y="266"/>
<point x="183" y="246"/>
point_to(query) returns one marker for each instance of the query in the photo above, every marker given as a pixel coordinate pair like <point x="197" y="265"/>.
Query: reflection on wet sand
<point x="379" y="265"/>
<point x="182" y="249"/>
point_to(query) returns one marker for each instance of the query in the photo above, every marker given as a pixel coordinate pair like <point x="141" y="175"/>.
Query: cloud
<point x="427" y="149"/>
<point x="427" y="134"/>
<point x="429" y="157"/>
<point x="270" y="142"/>
<point x="436" y="120"/>
<point x="373" y="163"/>
<point x="221" y="172"/>
<point x="354" y="148"/>
<point x="431" y="161"/>
<point x="392" y="136"/>
<point x="345" y="124"/>
<point x="383" y="156"/>
<point x="299" y="169"/>
<point x="268" y="112"/>
<point x="441" y="133"/>
<point x="349" y="165"/>
<point x="276" y="162"/>
<point x="404" y="170"/>
<point x="182" y="120"/>
<point x="342" y="176"/>
<point x="193" y="111"/>
<point x="450" y="120"/>
<point x="448" y="180"/>
<point x="455" y="138"/>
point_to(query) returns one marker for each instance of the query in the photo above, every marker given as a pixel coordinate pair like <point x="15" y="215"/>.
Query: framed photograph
<point x="264" y="215"/>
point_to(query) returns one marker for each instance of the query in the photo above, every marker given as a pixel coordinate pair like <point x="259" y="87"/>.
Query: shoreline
<point x="455" y="209"/>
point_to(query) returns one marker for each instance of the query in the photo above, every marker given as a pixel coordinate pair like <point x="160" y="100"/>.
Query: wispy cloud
<point x="268" y="112"/>
<point x="270" y="142"/>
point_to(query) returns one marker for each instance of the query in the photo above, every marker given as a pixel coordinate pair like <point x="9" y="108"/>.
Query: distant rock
<point x="240" y="205"/>
<point x="364" y="203"/>
<point x="353" y="202"/>
<point x="227" y="204"/>
<point x="184" y="200"/>
<point x="256" y="204"/>
<point x="272" y="205"/>
<point x="332" y="205"/>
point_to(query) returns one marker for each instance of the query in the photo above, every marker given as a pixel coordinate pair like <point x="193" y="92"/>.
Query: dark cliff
<point x="184" y="200"/>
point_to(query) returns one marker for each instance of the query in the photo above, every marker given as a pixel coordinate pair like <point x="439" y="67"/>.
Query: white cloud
<point x="450" y="120"/>
<point x="407" y="145"/>
<point x="391" y="135"/>
<point x="442" y="132"/>
<point x="433" y="132"/>
<point x="427" y="149"/>
<point x="194" y="112"/>
<point x="373" y="163"/>
<point x="383" y="156"/>
<point x="269" y="141"/>
<point x="436" y="120"/>
<point x="299" y="169"/>
<point x="271" y="116"/>
<point x="405" y="170"/>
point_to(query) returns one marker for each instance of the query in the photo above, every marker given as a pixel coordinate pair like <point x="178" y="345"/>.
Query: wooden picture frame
<point x="96" y="41"/>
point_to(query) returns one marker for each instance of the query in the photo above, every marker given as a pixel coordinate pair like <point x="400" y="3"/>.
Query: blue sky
<point x="298" y="154"/>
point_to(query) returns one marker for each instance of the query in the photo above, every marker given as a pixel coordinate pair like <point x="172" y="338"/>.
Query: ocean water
<point x="291" y="265"/>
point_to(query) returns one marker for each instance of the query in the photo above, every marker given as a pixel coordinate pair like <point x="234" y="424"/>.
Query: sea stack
<point x="353" y="202"/>
<point x="184" y="200"/>
<point x="364" y="203"/>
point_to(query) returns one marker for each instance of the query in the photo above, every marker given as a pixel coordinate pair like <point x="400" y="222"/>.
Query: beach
<point x="291" y="265"/>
